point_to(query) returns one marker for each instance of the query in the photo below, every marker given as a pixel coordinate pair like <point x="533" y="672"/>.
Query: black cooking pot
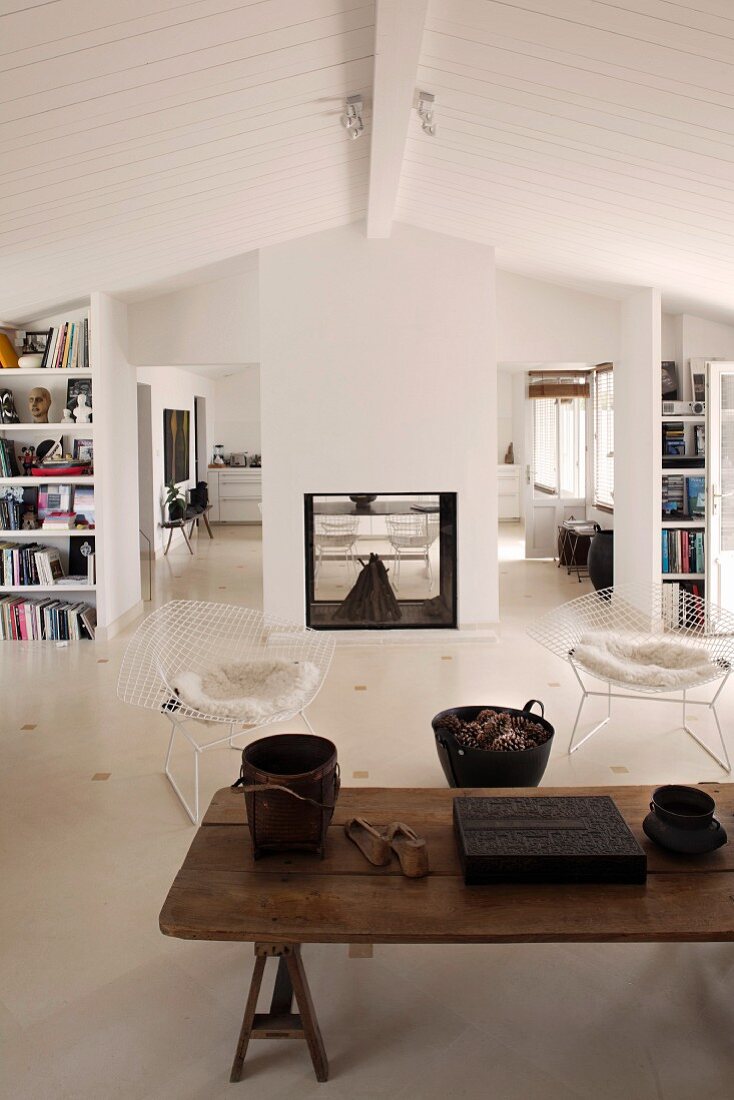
<point x="488" y="767"/>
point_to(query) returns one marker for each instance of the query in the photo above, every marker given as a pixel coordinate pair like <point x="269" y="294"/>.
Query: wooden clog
<point x="370" y="841"/>
<point x="409" y="848"/>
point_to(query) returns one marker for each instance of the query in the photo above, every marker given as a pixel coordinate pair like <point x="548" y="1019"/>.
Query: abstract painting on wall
<point x="176" y="444"/>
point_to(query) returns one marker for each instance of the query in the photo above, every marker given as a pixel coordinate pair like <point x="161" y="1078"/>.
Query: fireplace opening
<point x="380" y="560"/>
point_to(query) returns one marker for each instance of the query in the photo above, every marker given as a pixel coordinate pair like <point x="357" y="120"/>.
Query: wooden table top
<point x="221" y="893"/>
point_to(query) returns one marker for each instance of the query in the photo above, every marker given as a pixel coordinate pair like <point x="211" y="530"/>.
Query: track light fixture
<point x="426" y="103"/>
<point x="352" y="118"/>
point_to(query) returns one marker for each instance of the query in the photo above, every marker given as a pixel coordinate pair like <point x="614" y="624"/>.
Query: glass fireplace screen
<point x="380" y="560"/>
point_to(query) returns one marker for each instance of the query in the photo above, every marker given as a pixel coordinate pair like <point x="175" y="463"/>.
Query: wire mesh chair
<point x="639" y="614"/>
<point x="192" y="636"/>
<point x="336" y="537"/>
<point x="411" y="533"/>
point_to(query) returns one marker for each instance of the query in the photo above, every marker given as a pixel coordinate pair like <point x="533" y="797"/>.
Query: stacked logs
<point x="497" y="731"/>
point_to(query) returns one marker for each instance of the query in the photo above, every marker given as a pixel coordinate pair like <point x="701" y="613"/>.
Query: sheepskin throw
<point x="653" y="663"/>
<point x="249" y="691"/>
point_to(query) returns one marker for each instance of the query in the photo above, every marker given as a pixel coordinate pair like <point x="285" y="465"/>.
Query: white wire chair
<point x="408" y="533"/>
<point x="639" y="614"/>
<point x="336" y="537"/>
<point x="193" y="636"/>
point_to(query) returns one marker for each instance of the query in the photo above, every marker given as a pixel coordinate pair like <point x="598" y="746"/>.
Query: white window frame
<point x="603" y="423"/>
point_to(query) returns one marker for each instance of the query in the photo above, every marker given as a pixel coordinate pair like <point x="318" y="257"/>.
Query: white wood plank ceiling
<point x="142" y="138"/>
<point x="586" y="139"/>
<point x="591" y="141"/>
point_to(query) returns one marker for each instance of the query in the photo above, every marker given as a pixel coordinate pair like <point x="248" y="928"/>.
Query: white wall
<point x="209" y="323"/>
<point x="114" y="400"/>
<point x="539" y="322"/>
<point x="236" y="416"/>
<point x="382" y="379"/>
<point x="504" y="413"/>
<point x="637" y="442"/>
<point x="172" y="388"/>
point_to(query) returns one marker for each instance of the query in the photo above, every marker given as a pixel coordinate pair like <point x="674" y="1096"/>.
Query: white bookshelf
<point x="695" y="524"/>
<point x="21" y="381"/>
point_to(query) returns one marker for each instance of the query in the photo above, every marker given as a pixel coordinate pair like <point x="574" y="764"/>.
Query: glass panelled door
<point x="720" y="470"/>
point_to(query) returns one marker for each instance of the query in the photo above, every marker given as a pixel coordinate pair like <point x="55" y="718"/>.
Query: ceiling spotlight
<point x="352" y="118"/>
<point x="426" y="103"/>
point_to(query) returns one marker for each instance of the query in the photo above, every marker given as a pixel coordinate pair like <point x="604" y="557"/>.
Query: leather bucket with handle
<point x="291" y="783"/>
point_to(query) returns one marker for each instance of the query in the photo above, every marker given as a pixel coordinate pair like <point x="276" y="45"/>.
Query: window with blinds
<point x="545" y="444"/>
<point x="604" y="438"/>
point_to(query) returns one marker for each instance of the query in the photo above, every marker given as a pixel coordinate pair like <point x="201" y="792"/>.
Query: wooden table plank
<point x="221" y="893"/>
<point x="383" y="804"/>
<point x="228" y="848"/>
<point x="301" y="908"/>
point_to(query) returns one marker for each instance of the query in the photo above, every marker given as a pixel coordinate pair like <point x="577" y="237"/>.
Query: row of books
<point x="680" y="603"/>
<point x="674" y="440"/>
<point x="67" y="347"/>
<point x="683" y="552"/>
<point x="45" y="620"/>
<point x="8" y="461"/>
<point x="34" y="564"/>
<point x="684" y="497"/>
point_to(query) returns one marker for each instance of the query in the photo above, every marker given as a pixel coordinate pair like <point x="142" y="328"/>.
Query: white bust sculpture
<point x="82" y="412"/>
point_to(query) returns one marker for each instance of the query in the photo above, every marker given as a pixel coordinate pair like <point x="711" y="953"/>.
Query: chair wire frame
<point x="410" y="533"/>
<point x="195" y="636"/>
<point x="642" y="613"/>
<point x="338" y="535"/>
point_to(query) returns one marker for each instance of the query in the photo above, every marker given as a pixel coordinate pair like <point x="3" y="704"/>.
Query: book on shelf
<point x="67" y="347"/>
<point x="682" y="603"/>
<point x="15" y="502"/>
<point x="8" y="461"/>
<point x="696" y="494"/>
<point x="84" y="504"/>
<point x="54" y="498"/>
<point x="674" y="439"/>
<point x="24" y="619"/>
<point x="683" y="551"/>
<point x="81" y="554"/>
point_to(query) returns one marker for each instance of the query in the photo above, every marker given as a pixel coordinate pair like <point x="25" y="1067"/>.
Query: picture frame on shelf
<point x="669" y="380"/>
<point x="36" y="343"/>
<point x="84" y="450"/>
<point x="78" y="398"/>
<point x="698" y="383"/>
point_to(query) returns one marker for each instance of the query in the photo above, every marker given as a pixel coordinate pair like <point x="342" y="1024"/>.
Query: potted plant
<point x="175" y="501"/>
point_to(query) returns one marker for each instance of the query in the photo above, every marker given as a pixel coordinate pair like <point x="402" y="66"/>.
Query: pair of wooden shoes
<point x="378" y="843"/>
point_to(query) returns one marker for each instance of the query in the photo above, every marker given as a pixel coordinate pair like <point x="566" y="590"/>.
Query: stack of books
<point x="58" y="521"/>
<point x="674" y="442"/>
<point x="45" y="620"/>
<point x="673" y="497"/>
<point x="67" y="347"/>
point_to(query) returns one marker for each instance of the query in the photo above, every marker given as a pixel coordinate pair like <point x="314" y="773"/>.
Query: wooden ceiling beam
<point x="398" y="37"/>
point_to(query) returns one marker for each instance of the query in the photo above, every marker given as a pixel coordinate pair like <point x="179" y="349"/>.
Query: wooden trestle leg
<point x="280" y="1022"/>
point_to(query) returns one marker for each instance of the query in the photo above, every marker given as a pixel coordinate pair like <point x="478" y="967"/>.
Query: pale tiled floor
<point x="96" y="1004"/>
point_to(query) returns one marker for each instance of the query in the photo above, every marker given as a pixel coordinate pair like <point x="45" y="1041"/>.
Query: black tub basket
<point x="488" y="767"/>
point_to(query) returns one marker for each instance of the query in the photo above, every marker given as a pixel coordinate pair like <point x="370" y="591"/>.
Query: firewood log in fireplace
<point x="371" y="599"/>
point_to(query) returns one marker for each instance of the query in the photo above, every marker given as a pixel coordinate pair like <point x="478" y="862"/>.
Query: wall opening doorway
<point x="547" y="411"/>
<point x="201" y="442"/>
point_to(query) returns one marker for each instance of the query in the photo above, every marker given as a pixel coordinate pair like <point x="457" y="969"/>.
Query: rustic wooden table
<point x="283" y="901"/>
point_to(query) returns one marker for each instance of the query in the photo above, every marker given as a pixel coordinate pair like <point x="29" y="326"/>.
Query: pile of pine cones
<point x="496" y="730"/>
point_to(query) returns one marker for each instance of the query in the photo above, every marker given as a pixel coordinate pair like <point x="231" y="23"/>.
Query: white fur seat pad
<point x="250" y="692"/>
<point x="656" y="662"/>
